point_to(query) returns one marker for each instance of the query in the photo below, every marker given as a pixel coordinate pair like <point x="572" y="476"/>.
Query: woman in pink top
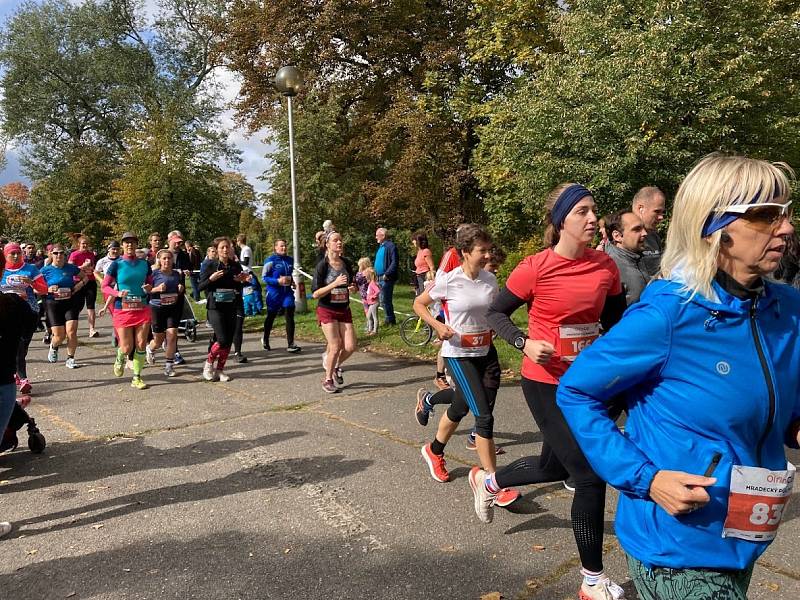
<point x="423" y="263"/>
<point x="85" y="259"/>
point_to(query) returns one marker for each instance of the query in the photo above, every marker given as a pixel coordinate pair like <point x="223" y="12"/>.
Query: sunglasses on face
<point x="768" y="214"/>
<point x="56" y="253"/>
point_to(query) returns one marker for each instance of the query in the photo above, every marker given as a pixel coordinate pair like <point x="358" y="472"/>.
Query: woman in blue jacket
<point x="277" y="274"/>
<point x="707" y="364"/>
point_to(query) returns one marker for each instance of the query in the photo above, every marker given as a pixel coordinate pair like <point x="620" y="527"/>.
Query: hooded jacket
<point x="700" y="376"/>
<point x="632" y="271"/>
<point x="278" y="296"/>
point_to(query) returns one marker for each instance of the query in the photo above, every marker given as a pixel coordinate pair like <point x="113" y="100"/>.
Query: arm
<point x="267" y="275"/>
<point x="391" y="262"/>
<point x="39" y="285"/>
<point x="499" y="315"/>
<point x="108" y="290"/>
<point x="421" y="304"/>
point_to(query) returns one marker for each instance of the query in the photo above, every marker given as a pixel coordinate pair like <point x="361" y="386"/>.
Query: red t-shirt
<point x="563" y="294"/>
<point x="78" y="257"/>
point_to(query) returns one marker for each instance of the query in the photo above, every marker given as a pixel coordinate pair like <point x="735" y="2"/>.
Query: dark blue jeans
<point x="387" y="290"/>
<point x="195" y="279"/>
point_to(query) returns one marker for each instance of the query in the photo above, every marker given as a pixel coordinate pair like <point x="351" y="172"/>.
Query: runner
<point x="713" y="394"/>
<point x="15" y="318"/>
<point x="222" y="281"/>
<point x="333" y="280"/>
<point x="277" y="274"/>
<point x="470" y="356"/>
<point x="154" y="246"/>
<point x="23" y="279"/>
<point x="85" y="259"/>
<point x="63" y="305"/>
<point x="569" y="289"/>
<point x="131" y="315"/>
<point x="166" y="309"/>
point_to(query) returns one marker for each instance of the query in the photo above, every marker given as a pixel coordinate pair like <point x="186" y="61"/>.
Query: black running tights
<point x="561" y="458"/>
<point x="270" y="320"/>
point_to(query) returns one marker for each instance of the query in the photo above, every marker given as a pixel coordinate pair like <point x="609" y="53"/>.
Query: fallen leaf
<point x="537" y="548"/>
<point x="287" y="550"/>
<point x="71" y="594"/>
<point x="773" y="587"/>
<point x="98" y="526"/>
<point x="492" y="596"/>
<point x="31" y="552"/>
<point x="447" y="549"/>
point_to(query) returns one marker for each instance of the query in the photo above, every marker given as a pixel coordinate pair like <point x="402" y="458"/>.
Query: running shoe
<point x="498" y="450"/>
<point x="93" y="333"/>
<point x="25" y="386"/>
<point x="436" y="464"/>
<point x="71" y="364"/>
<point x="138" y="383"/>
<point x="294" y="349"/>
<point x="5" y="528"/>
<point x="484" y="499"/>
<point x="506" y="496"/>
<point x="441" y="383"/>
<point x="329" y="386"/>
<point x="265" y="343"/>
<point x="169" y="371"/>
<point x="179" y="360"/>
<point x="129" y="364"/>
<point x="52" y="355"/>
<point x="46" y="338"/>
<point x="151" y="356"/>
<point x="423" y="410"/>
<point x="240" y="358"/>
<point x="223" y="377"/>
<point x="208" y="371"/>
<point x="338" y="377"/>
<point x="569" y="484"/>
<point x="119" y="367"/>
<point x="605" y="589"/>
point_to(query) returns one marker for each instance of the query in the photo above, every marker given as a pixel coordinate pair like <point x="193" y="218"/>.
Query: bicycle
<point x="416" y="332"/>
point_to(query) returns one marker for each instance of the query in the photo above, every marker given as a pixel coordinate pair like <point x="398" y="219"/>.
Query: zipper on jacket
<point x="768" y="378"/>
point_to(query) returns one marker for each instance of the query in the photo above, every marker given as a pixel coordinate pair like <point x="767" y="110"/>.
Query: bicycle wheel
<point x="415" y="331"/>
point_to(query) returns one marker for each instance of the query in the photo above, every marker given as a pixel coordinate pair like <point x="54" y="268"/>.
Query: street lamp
<point x="288" y="81"/>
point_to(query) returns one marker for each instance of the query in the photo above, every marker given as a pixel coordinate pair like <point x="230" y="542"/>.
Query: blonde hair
<point x="715" y="182"/>
<point x="369" y="273"/>
<point x="364" y="263"/>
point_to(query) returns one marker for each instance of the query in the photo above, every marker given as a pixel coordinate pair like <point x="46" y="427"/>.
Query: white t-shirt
<point x="465" y="311"/>
<point x="244" y="254"/>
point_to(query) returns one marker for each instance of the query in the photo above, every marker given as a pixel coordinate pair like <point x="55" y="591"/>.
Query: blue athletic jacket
<point x="278" y="296"/>
<point x="699" y="376"/>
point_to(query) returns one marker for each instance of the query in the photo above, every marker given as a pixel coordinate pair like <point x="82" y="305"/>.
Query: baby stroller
<point x="188" y="324"/>
<point x="19" y="418"/>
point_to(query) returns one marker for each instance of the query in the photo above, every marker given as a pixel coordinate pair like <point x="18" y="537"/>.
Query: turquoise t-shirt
<point x="130" y="275"/>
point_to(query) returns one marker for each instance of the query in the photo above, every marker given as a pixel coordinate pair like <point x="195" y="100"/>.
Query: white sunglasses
<point x="743" y="208"/>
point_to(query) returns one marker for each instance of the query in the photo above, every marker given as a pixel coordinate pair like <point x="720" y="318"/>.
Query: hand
<point x="340" y="280"/>
<point x="25" y="280"/>
<point x="123" y="294"/>
<point x="444" y="332"/>
<point x="216" y="275"/>
<point x="680" y="493"/>
<point x="53" y="289"/>
<point x="102" y="311"/>
<point x="147" y="288"/>
<point x="538" y="351"/>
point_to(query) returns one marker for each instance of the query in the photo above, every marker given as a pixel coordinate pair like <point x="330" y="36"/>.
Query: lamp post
<point x="288" y="82"/>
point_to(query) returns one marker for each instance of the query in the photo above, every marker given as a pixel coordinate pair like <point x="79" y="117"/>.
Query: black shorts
<point x="166" y="317"/>
<point x="88" y="295"/>
<point x="61" y="311"/>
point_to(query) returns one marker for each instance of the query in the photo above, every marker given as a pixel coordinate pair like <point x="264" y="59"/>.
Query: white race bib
<point x="575" y="338"/>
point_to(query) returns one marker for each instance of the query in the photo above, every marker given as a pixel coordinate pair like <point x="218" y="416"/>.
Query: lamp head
<point x="288" y="80"/>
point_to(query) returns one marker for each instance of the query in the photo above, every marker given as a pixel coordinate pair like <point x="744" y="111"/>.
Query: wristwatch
<point x="519" y="342"/>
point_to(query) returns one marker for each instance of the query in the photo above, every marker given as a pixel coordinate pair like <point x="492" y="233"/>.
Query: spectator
<point x="423" y="263"/>
<point x="386" y="263"/>
<point x="626" y="240"/>
<point x="245" y="252"/>
<point x="649" y="203"/>
<point x="195" y="260"/>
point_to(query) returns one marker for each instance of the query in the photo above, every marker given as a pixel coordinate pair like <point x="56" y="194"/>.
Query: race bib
<point x="574" y="338"/>
<point x="757" y="501"/>
<point x="224" y="295"/>
<point x="168" y="299"/>
<point x="480" y="339"/>
<point x="63" y="293"/>
<point x="246" y="291"/>
<point x="131" y="303"/>
<point x="340" y="296"/>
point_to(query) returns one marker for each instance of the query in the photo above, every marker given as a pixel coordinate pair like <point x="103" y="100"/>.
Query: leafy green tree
<point x="640" y="91"/>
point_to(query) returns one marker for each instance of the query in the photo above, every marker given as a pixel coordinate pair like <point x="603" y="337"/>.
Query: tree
<point x="14" y="199"/>
<point x="641" y="91"/>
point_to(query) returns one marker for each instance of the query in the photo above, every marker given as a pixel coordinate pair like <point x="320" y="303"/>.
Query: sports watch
<point x="519" y="342"/>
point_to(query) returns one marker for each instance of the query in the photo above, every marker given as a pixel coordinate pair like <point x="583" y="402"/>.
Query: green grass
<point x="388" y="340"/>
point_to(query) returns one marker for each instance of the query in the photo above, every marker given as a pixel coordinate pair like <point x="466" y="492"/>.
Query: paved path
<point x="266" y="487"/>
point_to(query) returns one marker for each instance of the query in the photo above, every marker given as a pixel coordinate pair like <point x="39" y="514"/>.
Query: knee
<point x="335" y="345"/>
<point x="456" y="412"/>
<point x="484" y="426"/>
<point x="350" y="345"/>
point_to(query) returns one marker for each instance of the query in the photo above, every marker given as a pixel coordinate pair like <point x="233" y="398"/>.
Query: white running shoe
<point x="151" y="356"/>
<point x="5" y="528"/>
<point x="484" y="501"/>
<point x="605" y="589"/>
<point x="168" y="370"/>
<point x="52" y="355"/>
<point x="71" y="364"/>
<point x="208" y="371"/>
<point x="223" y="377"/>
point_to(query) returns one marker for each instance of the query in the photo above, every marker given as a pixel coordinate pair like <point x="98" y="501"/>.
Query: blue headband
<point x="719" y="220"/>
<point x="566" y="202"/>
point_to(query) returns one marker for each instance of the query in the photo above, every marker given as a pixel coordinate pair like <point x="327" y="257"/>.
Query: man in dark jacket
<point x="386" y="265"/>
<point x="626" y="244"/>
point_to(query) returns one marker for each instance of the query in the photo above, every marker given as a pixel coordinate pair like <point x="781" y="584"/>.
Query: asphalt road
<point x="266" y="487"/>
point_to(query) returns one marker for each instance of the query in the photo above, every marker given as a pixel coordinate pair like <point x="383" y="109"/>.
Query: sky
<point x="252" y="148"/>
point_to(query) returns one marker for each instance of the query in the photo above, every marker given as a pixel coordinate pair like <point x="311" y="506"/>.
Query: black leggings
<point x="224" y="324"/>
<point x="238" y="334"/>
<point x="476" y="382"/>
<point x="561" y="458"/>
<point x="270" y="320"/>
<point x="22" y="350"/>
